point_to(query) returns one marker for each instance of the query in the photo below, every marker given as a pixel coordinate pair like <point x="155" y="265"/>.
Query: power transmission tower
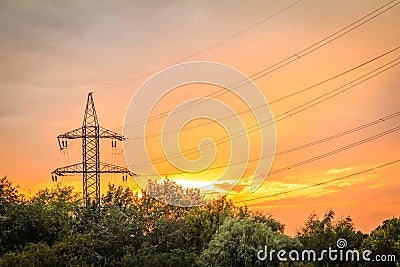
<point x="91" y="166"/>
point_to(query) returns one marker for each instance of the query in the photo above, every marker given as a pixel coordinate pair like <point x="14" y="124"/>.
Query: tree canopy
<point x="53" y="228"/>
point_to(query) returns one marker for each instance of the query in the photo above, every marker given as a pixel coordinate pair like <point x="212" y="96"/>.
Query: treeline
<point x="53" y="228"/>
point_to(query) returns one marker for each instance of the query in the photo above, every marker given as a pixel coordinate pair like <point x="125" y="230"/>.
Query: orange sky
<point x="53" y="54"/>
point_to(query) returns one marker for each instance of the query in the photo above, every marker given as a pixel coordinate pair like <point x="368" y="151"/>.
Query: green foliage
<point x="320" y="234"/>
<point x="8" y="193"/>
<point x="23" y="223"/>
<point x="53" y="228"/>
<point x="151" y="257"/>
<point x="237" y="242"/>
<point x="45" y="218"/>
<point x="385" y="239"/>
<point x="75" y="250"/>
<point x="203" y="222"/>
<point x="32" y="255"/>
<point x="173" y="194"/>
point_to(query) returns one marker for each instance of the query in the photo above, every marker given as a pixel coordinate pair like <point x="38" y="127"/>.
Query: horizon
<point x="51" y="62"/>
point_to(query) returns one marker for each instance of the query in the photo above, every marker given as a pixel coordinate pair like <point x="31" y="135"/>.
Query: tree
<point x="174" y="194"/>
<point x="385" y="240"/>
<point x="150" y="257"/>
<point x="39" y="254"/>
<point x="75" y="250"/>
<point x="44" y="218"/>
<point x="53" y="228"/>
<point x="8" y="193"/>
<point x="238" y="241"/>
<point x="203" y="222"/>
<point x="320" y="234"/>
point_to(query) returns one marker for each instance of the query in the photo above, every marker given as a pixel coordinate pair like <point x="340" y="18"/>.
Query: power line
<point x="343" y="31"/>
<point x="339" y="90"/>
<point x="321" y="183"/>
<point x="330" y="153"/>
<point x="256" y="127"/>
<point x="315" y="46"/>
<point x="203" y="50"/>
<point x="289" y="113"/>
<point x="273" y="101"/>
<point x="329" y="138"/>
<point x="314" y="101"/>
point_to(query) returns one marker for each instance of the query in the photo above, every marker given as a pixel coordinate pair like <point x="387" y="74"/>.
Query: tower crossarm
<point x="110" y="168"/>
<point x="104" y="168"/>
<point x="105" y="133"/>
<point x="79" y="133"/>
<point x="74" y="134"/>
<point x="69" y="170"/>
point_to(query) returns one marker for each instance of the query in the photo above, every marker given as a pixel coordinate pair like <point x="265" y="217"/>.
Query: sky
<point x="54" y="52"/>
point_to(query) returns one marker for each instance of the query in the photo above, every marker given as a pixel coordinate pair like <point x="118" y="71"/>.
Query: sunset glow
<point x="54" y="54"/>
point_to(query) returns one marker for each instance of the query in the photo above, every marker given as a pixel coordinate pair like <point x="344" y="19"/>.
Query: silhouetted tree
<point x="54" y="228"/>
<point x="237" y="242"/>
<point x="320" y="234"/>
<point x="384" y="240"/>
<point x="174" y="194"/>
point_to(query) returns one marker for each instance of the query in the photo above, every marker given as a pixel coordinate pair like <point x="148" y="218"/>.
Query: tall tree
<point x="238" y="241"/>
<point x="385" y="240"/>
<point x="320" y="234"/>
<point x="174" y="194"/>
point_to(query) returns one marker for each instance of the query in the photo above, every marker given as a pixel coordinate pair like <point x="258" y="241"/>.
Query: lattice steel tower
<point x="90" y="167"/>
